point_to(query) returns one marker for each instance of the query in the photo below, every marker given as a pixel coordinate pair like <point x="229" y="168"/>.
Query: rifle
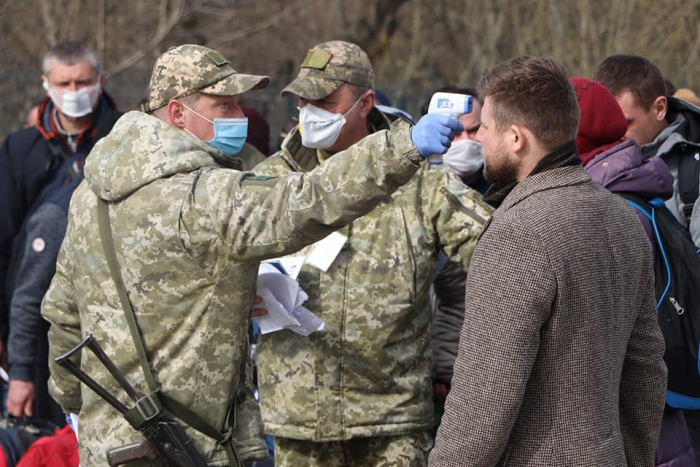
<point x="165" y="439"/>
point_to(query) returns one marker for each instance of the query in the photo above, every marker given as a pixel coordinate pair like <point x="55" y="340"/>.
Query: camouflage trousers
<point x="383" y="451"/>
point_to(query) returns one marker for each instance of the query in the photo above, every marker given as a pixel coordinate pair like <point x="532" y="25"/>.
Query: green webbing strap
<point x="171" y="405"/>
<point x="110" y="253"/>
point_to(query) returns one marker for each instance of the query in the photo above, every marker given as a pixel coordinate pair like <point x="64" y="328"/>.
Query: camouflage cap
<point x="194" y="68"/>
<point x="327" y="66"/>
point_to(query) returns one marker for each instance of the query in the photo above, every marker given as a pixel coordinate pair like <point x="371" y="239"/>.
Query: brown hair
<point x="534" y="92"/>
<point x="620" y="73"/>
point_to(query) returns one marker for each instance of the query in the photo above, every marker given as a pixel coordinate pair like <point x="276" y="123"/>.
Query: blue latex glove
<point x="69" y="422"/>
<point x="433" y="134"/>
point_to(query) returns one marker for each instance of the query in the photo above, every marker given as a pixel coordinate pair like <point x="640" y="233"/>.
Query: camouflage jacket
<point x="250" y="157"/>
<point x="189" y="236"/>
<point x="368" y="372"/>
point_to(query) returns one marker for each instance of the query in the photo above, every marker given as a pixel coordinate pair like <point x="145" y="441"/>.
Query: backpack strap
<point x="650" y="212"/>
<point x="153" y="403"/>
<point x="689" y="181"/>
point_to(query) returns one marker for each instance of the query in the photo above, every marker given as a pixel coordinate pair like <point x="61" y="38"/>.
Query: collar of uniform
<point x="140" y="149"/>
<point x="298" y="156"/>
<point x="376" y="120"/>
<point x="321" y="156"/>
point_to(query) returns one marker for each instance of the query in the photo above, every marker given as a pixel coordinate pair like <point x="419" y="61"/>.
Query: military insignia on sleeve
<point x="259" y="180"/>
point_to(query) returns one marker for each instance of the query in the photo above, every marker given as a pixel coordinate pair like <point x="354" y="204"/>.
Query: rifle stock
<point x="131" y="453"/>
<point x="165" y="439"/>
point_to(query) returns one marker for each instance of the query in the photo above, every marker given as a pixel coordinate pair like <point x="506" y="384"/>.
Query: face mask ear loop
<point x="342" y="115"/>
<point x="196" y="113"/>
<point x="354" y="105"/>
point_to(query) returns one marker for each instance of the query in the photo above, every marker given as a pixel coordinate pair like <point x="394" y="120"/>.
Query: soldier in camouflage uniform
<point x="189" y="234"/>
<point x="359" y="392"/>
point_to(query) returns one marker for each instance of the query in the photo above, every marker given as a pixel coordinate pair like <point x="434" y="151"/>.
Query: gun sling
<point x="152" y="404"/>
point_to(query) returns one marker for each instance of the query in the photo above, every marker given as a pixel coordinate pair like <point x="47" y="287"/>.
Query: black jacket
<point x="678" y="145"/>
<point x="27" y="346"/>
<point x="29" y="159"/>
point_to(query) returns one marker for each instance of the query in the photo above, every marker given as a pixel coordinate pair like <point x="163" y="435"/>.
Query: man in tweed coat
<point x="561" y="358"/>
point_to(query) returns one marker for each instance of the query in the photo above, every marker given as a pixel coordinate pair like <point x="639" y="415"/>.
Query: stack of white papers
<point x="290" y="264"/>
<point x="325" y="251"/>
<point x="283" y="299"/>
<point x="74" y="422"/>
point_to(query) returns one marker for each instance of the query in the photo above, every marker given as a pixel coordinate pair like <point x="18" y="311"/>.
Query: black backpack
<point x="677" y="287"/>
<point x="689" y="178"/>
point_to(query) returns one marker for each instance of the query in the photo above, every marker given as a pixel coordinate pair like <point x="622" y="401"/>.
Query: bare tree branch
<point x="342" y="16"/>
<point x="69" y="18"/>
<point x="101" y="30"/>
<point x="495" y="20"/>
<point x="49" y="25"/>
<point x="585" y="20"/>
<point x="416" y="49"/>
<point x="175" y="18"/>
<point x="268" y="23"/>
<point x="456" y="39"/>
<point x="162" y="15"/>
<point x="384" y="27"/>
<point x="5" y="5"/>
<point x="559" y="41"/>
<point x="692" y="57"/>
<point x="223" y="9"/>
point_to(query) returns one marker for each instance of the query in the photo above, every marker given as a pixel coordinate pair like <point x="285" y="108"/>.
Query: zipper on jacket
<point x="679" y="309"/>
<point x="411" y="257"/>
<point x="343" y="327"/>
<point x="452" y="199"/>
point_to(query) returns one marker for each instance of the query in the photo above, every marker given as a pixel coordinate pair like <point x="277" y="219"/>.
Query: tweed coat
<point x="560" y="360"/>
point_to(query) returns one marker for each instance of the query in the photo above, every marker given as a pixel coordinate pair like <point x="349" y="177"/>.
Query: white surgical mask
<point x="320" y="129"/>
<point x="464" y="157"/>
<point x="74" y="104"/>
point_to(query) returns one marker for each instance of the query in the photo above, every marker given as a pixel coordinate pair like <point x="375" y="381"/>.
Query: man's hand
<point x="433" y="134"/>
<point x="258" y="311"/>
<point x="20" y="398"/>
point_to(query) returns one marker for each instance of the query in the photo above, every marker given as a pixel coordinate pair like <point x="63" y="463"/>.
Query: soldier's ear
<point x="176" y="116"/>
<point x="367" y="103"/>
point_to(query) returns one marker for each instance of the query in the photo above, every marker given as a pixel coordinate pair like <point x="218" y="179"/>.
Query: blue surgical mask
<point x="229" y="133"/>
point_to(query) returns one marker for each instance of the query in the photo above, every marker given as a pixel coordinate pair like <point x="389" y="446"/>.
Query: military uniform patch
<point x="317" y="59"/>
<point x="259" y="180"/>
<point x="217" y="58"/>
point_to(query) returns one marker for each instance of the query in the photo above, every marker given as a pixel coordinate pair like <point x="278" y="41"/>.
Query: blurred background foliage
<point x="415" y="45"/>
